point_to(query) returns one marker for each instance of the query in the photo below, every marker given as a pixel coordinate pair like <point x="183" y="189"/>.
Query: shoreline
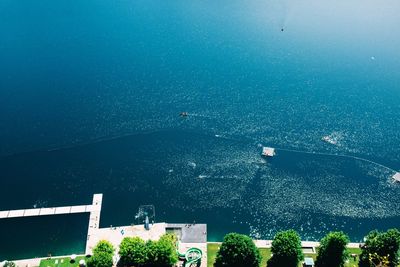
<point x="261" y="244"/>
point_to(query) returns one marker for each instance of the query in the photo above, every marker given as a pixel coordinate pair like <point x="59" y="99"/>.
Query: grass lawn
<point x="212" y="250"/>
<point x="61" y="262"/>
<point x="351" y="262"/>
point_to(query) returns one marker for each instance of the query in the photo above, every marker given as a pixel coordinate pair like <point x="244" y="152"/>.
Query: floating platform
<point x="396" y="176"/>
<point x="329" y="139"/>
<point x="94" y="219"/>
<point x="45" y="211"/>
<point x="268" y="151"/>
<point x="54" y="210"/>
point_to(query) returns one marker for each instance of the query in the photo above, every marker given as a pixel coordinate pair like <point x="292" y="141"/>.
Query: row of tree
<point x="380" y="249"/>
<point x="134" y="251"/>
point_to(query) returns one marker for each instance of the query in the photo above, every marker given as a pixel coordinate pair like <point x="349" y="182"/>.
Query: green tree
<point x="132" y="252"/>
<point x="161" y="253"/>
<point x="381" y="245"/>
<point x="237" y="251"/>
<point x="104" y="246"/>
<point x="379" y="261"/>
<point x="286" y="250"/>
<point x="170" y="238"/>
<point x="102" y="255"/>
<point x="332" y="251"/>
<point x="165" y="251"/>
<point x="100" y="259"/>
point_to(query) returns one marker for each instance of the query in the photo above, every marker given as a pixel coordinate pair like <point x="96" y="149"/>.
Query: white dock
<point x="268" y="151"/>
<point x="46" y="211"/>
<point x="94" y="219"/>
<point x="396" y="176"/>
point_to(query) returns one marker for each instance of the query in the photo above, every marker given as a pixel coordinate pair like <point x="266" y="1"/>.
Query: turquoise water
<point x="90" y="94"/>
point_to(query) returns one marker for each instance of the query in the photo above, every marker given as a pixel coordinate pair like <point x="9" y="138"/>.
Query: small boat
<point x="330" y="140"/>
<point x="184" y="114"/>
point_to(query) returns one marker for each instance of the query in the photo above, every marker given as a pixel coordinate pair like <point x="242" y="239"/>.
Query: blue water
<point x="90" y="94"/>
<point x="32" y="237"/>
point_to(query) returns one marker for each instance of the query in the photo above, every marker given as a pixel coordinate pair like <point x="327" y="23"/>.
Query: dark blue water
<point x="90" y="94"/>
<point x="32" y="237"/>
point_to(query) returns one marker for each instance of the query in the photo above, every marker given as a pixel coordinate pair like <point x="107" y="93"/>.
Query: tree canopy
<point x="238" y="251"/>
<point x="332" y="251"/>
<point x="134" y="251"/>
<point x="160" y="254"/>
<point x="286" y="250"/>
<point x="381" y="246"/>
<point x="104" y="246"/>
<point x="102" y="255"/>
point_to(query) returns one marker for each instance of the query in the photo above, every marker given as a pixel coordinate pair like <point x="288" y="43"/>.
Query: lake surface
<point x="90" y="96"/>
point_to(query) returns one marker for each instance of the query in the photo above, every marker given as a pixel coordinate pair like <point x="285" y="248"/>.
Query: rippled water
<point x="90" y="95"/>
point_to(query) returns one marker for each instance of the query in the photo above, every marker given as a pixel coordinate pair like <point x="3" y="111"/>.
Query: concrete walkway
<point x="54" y="210"/>
<point x="45" y="211"/>
<point x="304" y="244"/>
<point x="94" y="219"/>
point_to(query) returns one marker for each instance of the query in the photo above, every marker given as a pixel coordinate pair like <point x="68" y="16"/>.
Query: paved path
<point x="94" y="219"/>
<point x="304" y="244"/>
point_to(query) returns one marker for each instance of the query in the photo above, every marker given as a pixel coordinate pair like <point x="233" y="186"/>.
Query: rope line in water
<point x="337" y="155"/>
